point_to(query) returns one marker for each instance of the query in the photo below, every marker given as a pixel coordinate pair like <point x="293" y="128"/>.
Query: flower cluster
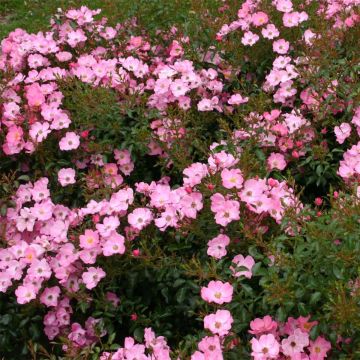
<point x="274" y="340"/>
<point x="32" y="107"/>
<point x="153" y="348"/>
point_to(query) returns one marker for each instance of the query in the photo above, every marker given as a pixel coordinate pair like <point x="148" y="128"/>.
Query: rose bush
<point x="163" y="199"/>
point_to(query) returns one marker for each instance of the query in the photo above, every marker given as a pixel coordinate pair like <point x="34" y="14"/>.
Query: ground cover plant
<point x="180" y="180"/>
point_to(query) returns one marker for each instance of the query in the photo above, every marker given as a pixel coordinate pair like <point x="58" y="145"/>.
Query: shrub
<point x="194" y="190"/>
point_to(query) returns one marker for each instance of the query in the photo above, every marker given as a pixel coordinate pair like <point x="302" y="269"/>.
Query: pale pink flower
<point x="197" y="355"/>
<point x="75" y="37"/>
<point x="319" y="348"/>
<point x="219" y="323"/>
<point x="70" y="141"/>
<point x="39" y="269"/>
<point x="266" y="347"/>
<point x="26" y="220"/>
<point x="77" y="334"/>
<point x="140" y="218"/>
<point x="89" y="239"/>
<point x="249" y="38"/>
<point x="25" y="293"/>
<point x="270" y="32"/>
<point x="240" y="262"/>
<point x="284" y="5"/>
<point x="217" y="246"/>
<point x="178" y="88"/>
<point x="205" y="105"/>
<point x="5" y="281"/>
<point x="167" y="218"/>
<point x="232" y="178"/>
<point x="115" y="244"/>
<point x="291" y="19"/>
<point x="162" y="86"/>
<point x="42" y="210"/>
<point x="228" y="213"/>
<point x="34" y="95"/>
<point x="39" y="131"/>
<point x="281" y="46"/>
<point x="92" y="277"/>
<point x="191" y="204"/>
<point x="294" y="345"/>
<point x="276" y="161"/>
<point x="63" y="56"/>
<point x="195" y="173"/>
<point x="342" y="132"/>
<point x="66" y="176"/>
<point x="11" y="110"/>
<point x="50" y="296"/>
<point x="211" y="347"/>
<point x="109" y="224"/>
<point x="127" y="169"/>
<point x="237" y="99"/>
<point x="217" y="292"/>
<point x="309" y="36"/>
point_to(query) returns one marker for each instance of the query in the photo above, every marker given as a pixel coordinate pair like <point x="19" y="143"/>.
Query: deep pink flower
<point x="113" y="298"/>
<point x="265" y="325"/>
<point x="259" y="18"/>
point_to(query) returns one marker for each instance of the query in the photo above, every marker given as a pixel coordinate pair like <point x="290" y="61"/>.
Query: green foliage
<point x="34" y="15"/>
<point x="21" y="329"/>
<point x="313" y="273"/>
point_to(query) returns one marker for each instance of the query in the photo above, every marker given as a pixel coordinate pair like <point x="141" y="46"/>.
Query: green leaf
<point x="315" y="297"/>
<point x="138" y="334"/>
<point x="180" y="295"/>
<point x="338" y="272"/>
